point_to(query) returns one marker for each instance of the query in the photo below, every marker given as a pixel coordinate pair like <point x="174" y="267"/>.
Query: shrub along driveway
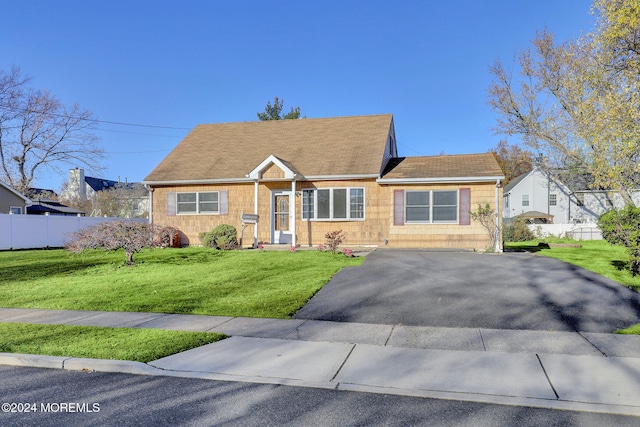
<point x="463" y="289"/>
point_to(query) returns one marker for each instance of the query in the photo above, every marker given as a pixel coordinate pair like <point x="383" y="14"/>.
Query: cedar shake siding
<point x="329" y="174"/>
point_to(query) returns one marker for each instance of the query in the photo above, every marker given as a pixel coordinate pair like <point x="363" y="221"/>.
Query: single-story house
<point x="52" y="207"/>
<point x="44" y="202"/>
<point x="301" y="179"/>
<point x="11" y="201"/>
<point x="566" y="197"/>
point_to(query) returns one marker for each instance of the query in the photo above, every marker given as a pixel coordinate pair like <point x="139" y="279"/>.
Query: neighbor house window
<point x="198" y="203"/>
<point x="15" y="210"/>
<point x="333" y="203"/>
<point x="525" y="200"/>
<point x="553" y="200"/>
<point x="431" y="206"/>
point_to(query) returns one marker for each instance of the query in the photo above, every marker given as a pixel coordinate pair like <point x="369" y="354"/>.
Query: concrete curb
<point x="139" y="368"/>
<point x="32" y="360"/>
<point x="499" y="400"/>
<point x="76" y="364"/>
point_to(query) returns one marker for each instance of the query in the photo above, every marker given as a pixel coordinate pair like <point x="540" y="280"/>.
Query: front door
<point x="281" y="217"/>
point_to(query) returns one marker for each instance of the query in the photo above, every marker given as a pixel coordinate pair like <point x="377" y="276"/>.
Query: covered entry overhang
<point x="282" y="203"/>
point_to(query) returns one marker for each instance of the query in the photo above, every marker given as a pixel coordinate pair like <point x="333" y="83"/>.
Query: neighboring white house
<point x="538" y="194"/>
<point x="85" y="187"/>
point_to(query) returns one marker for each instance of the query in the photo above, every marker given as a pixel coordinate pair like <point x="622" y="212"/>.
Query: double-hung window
<point x="198" y="203"/>
<point x="333" y="204"/>
<point x="418" y="206"/>
<point x="431" y="206"/>
<point x="525" y="200"/>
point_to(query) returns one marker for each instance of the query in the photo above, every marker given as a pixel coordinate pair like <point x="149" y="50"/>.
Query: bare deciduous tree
<point x="513" y="160"/>
<point x="38" y="132"/>
<point x="131" y="236"/>
<point x="579" y="101"/>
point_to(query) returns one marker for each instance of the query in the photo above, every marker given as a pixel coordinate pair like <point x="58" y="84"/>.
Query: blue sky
<point x="180" y="63"/>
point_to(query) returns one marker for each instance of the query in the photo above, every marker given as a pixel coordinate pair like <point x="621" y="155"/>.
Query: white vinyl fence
<point x="42" y="231"/>
<point x="586" y="231"/>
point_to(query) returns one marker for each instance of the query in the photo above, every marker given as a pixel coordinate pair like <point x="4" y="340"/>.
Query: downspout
<point x="548" y="194"/>
<point x="498" y="245"/>
<point x="150" y="189"/>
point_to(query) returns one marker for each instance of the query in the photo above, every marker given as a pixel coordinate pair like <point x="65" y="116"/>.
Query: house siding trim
<point x="446" y="180"/>
<point x="250" y="180"/>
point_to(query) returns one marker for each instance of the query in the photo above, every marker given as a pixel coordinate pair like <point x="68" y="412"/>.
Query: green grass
<point x="631" y="330"/>
<point x="187" y="281"/>
<point x="142" y="345"/>
<point x="595" y="255"/>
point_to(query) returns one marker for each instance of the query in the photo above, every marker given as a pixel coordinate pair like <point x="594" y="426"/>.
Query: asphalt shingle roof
<point x="446" y="166"/>
<point x="313" y="147"/>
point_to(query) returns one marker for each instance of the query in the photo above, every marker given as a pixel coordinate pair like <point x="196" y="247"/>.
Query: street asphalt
<point x="564" y="362"/>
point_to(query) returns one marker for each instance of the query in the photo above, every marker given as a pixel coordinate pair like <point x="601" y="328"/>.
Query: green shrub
<point x="224" y="237"/>
<point x="487" y="218"/>
<point x="622" y="227"/>
<point x="517" y="231"/>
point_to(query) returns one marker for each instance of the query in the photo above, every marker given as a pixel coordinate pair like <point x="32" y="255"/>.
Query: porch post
<point x="292" y="211"/>
<point x="255" y="211"/>
<point x="498" y="243"/>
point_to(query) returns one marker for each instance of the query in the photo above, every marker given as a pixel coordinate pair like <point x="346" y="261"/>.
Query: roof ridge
<point x="295" y="120"/>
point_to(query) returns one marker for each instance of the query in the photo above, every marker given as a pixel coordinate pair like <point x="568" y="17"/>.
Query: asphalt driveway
<point x="463" y="289"/>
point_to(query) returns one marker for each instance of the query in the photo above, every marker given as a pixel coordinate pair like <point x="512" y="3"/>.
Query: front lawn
<point x="141" y="345"/>
<point x="187" y="281"/>
<point x="595" y="255"/>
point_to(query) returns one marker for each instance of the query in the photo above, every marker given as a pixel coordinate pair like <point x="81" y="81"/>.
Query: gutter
<point x="249" y="180"/>
<point x="444" y="180"/>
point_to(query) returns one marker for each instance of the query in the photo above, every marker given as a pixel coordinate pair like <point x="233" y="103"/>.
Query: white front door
<point x="281" y="217"/>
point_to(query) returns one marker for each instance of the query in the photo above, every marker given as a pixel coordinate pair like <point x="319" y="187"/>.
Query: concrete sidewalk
<point x="563" y="370"/>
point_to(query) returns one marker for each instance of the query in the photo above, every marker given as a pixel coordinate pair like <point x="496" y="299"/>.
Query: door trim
<point x="281" y="237"/>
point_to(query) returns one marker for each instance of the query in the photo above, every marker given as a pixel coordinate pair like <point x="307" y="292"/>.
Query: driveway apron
<point x="472" y="290"/>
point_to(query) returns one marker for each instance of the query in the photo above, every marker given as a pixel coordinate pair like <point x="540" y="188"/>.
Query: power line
<point x="136" y="124"/>
<point x="138" y="152"/>
<point x="137" y="133"/>
<point x="410" y="148"/>
<point x="25" y="110"/>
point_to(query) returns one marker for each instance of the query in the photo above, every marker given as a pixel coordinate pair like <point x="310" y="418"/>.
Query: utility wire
<point x="25" y="110"/>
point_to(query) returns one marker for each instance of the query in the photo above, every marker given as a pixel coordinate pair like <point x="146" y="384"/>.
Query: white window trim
<point x="431" y="206"/>
<point x="15" y="207"/>
<point x="528" y="200"/>
<point x="197" y="212"/>
<point x="348" y="202"/>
